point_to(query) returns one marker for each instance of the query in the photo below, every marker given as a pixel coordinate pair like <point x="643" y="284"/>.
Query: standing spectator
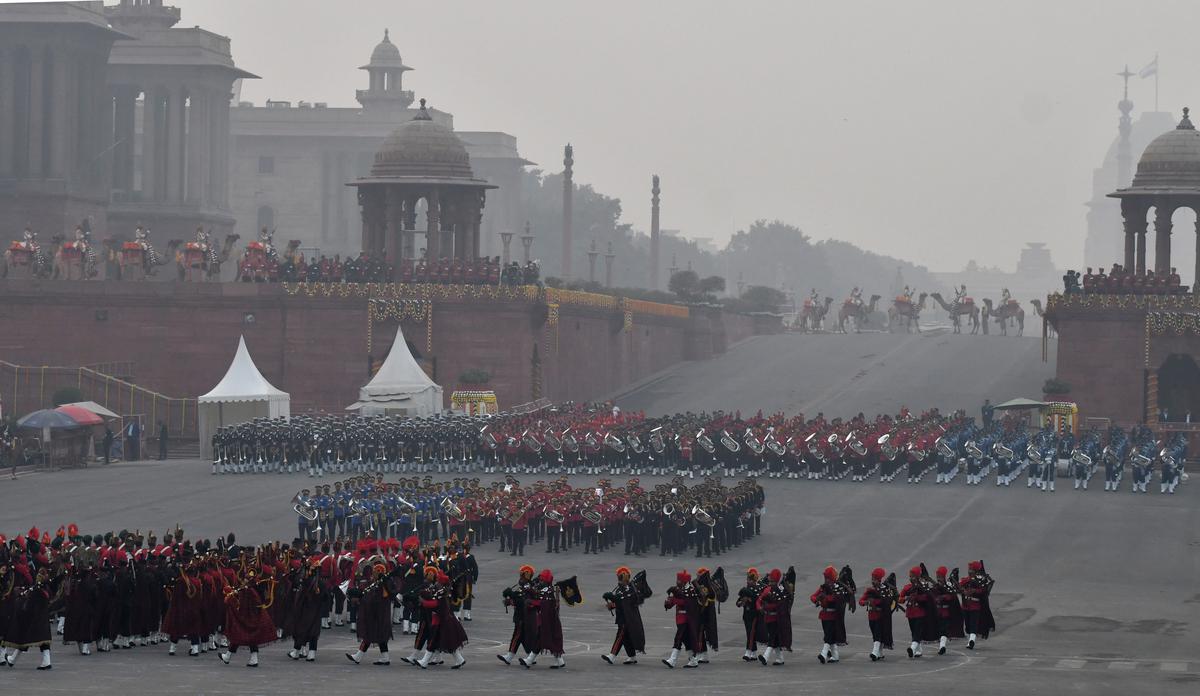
<point x="133" y="434"/>
<point x="987" y="412"/>
<point x="162" y="441"/>
<point x="108" y="444"/>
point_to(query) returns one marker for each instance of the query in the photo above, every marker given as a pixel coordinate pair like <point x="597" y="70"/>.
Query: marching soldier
<point x="683" y="599"/>
<point x="625" y="601"/>
<point x="830" y="598"/>
<point x="879" y="599"/>
<point x="976" y="589"/>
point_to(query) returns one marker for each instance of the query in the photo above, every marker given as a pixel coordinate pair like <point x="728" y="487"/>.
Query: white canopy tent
<point x="243" y="394"/>
<point x="400" y="387"/>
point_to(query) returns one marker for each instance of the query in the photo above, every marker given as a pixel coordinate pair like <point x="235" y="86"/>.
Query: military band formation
<point x="126" y="590"/>
<point x="574" y="439"/>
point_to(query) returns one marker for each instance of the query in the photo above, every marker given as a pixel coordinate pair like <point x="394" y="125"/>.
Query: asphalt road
<point x="844" y="374"/>
<point x="1096" y="592"/>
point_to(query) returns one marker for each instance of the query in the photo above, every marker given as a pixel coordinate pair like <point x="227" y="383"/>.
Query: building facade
<point x="291" y="162"/>
<point x="55" y="127"/>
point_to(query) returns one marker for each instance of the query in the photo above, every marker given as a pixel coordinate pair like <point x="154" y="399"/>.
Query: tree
<point x="712" y="285"/>
<point x="760" y="298"/>
<point x="66" y="395"/>
<point x="686" y="286"/>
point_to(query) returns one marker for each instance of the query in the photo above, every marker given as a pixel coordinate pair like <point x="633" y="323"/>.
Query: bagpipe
<point x="569" y="591"/>
<point x="846" y="588"/>
<point x="637" y="584"/>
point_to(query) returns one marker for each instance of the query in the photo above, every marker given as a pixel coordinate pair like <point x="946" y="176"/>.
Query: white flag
<point x="1150" y="69"/>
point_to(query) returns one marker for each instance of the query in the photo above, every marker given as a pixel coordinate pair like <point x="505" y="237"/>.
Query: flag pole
<point x="1156" y="70"/>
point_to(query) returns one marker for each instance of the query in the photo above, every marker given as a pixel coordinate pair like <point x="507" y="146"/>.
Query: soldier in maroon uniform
<point x="246" y="620"/>
<point x="977" y="612"/>
<point x="917" y="597"/>
<point x="950" y="619"/>
<point x="550" y="633"/>
<point x="683" y="599"/>
<point x="878" y="598"/>
<point x="831" y="602"/>
<point x="775" y="603"/>
<point x="524" y="633"/>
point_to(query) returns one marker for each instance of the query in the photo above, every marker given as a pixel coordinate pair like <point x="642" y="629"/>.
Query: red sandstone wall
<point x="181" y="337"/>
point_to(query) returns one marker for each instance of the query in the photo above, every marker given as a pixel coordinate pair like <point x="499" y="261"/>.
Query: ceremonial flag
<point x="1150" y="69"/>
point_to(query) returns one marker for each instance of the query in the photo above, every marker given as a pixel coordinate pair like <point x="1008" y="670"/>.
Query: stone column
<point x="655" y="238"/>
<point x="150" y="173"/>
<point x="1196" y="277"/>
<point x="608" y="266"/>
<point x="568" y="194"/>
<point x="506" y="242"/>
<point x="197" y="146"/>
<point x="1131" y="220"/>
<point x="527" y="241"/>
<point x="410" y="225"/>
<point x="1162" y="239"/>
<point x="433" y="229"/>
<point x="37" y="119"/>
<point x="395" y="223"/>
<point x="7" y="109"/>
<point x="219" y="150"/>
<point x="59" y="133"/>
<point x="592" y="254"/>
<point x="123" y="134"/>
<point x="176" y="140"/>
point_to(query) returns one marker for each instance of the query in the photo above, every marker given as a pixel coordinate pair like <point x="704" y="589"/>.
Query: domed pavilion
<point x="1167" y="179"/>
<point x="421" y="161"/>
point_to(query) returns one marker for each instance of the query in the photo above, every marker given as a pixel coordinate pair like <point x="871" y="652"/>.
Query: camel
<point x="200" y="261"/>
<point x="1037" y="311"/>
<point x="138" y="260"/>
<point x="812" y="315"/>
<point x="857" y="312"/>
<point x="958" y="310"/>
<point x="25" y="259"/>
<point x="73" y="260"/>
<point x="905" y="309"/>
<point x="1012" y="310"/>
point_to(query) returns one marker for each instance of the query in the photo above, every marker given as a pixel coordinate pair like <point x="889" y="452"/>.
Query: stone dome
<point x="386" y="55"/>
<point x="422" y="148"/>
<point x="1172" y="160"/>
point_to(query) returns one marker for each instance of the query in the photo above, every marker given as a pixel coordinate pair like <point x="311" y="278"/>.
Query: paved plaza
<point x="1096" y="592"/>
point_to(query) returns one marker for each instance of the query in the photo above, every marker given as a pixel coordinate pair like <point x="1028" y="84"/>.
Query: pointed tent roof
<point x="243" y="381"/>
<point x="400" y="374"/>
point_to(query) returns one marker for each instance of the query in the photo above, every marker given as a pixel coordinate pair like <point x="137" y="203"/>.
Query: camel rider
<point x="813" y="298"/>
<point x="856" y="297"/>
<point x="141" y="236"/>
<point x="907" y="294"/>
<point x="30" y="238"/>
<point x="1005" y="297"/>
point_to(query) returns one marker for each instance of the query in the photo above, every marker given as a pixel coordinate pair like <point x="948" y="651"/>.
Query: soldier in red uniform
<point x="775" y="603"/>
<point x="917" y="597"/>
<point x="246" y="620"/>
<point x="878" y="598"/>
<point x="832" y="605"/>
<point x="977" y="612"/>
<point x="683" y="599"/>
<point x="950" y="619"/>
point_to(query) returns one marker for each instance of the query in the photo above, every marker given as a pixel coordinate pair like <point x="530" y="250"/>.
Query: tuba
<point x="590" y="515"/>
<point x="668" y="509"/>
<point x="775" y="446"/>
<point x="635" y="444"/>
<point x="1000" y="450"/>
<point x="453" y="510"/>
<point x="814" y="447"/>
<point x="886" y="447"/>
<point x="569" y="441"/>
<point x="703" y="517"/>
<point x="730" y="443"/>
<point x="832" y="441"/>
<point x="656" y="441"/>
<point x="856" y="445"/>
<point x="973" y="449"/>
<point x="705" y="442"/>
<point x="944" y="449"/>
<point x="531" y="442"/>
<point x="615" y="443"/>
<point x="304" y="508"/>
<point x="553" y="441"/>
<point x="917" y="454"/>
<point x="753" y="442"/>
<point x="1081" y="458"/>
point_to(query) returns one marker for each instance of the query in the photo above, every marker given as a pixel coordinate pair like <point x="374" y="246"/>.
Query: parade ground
<point x="1095" y="592"/>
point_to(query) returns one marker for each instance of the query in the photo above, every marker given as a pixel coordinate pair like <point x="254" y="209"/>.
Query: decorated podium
<point x="474" y="402"/>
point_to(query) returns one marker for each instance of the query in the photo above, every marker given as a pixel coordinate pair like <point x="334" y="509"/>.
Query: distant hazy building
<point x="1104" y="243"/>
<point x="291" y="162"/>
<point x="1034" y="277"/>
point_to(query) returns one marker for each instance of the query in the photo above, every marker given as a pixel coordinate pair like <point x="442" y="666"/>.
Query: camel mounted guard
<point x="25" y="258"/>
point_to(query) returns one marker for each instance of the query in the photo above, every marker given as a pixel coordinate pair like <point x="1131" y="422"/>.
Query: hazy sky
<point x="935" y="131"/>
